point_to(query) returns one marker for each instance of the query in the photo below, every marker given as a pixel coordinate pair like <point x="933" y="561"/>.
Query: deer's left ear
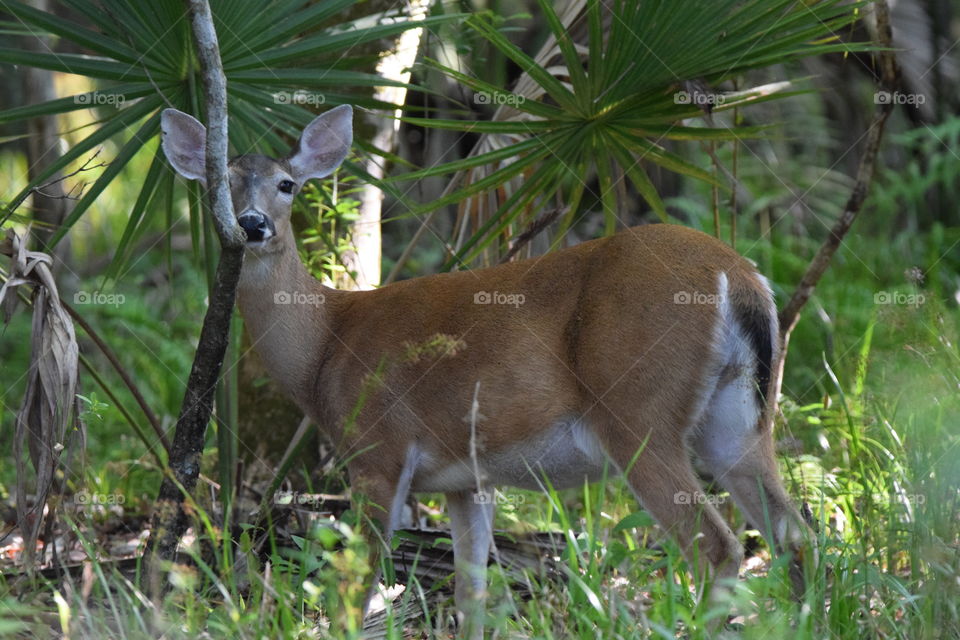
<point x="184" y="144"/>
<point x="323" y="145"/>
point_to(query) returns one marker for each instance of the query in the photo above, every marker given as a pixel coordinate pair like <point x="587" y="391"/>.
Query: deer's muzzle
<point x="257" y="226"/>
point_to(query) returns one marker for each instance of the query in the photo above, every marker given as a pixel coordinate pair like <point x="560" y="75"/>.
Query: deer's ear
<point x="323" y="145"/>
<point x="184" y="143"/>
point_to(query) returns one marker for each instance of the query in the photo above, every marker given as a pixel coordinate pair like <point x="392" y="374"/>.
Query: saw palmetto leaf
<point x="141" y="56"/>
<point x="47" y="418"/>
<point x="603" y="108"/>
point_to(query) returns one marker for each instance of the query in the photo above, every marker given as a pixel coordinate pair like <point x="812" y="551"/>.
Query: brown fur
<point x="598" y="335"/>
<point x="597" y="361"/>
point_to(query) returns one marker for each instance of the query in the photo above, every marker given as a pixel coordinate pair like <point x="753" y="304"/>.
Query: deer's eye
<point x="286" y="186"/>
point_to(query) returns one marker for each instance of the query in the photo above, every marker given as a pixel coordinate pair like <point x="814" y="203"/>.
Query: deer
<point x="637" y="353"/>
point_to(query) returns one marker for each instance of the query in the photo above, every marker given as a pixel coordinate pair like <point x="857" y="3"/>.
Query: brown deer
<point x="638" y="350"/>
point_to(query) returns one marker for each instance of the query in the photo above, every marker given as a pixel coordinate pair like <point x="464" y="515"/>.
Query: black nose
<point x="257" y="226"/>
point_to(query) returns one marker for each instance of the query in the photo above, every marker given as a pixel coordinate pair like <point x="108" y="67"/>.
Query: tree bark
<point x="170" y="520"/>
<point x="364" y="259"/>
<point x="43" y="147"/>
<point x="888" y="81"/>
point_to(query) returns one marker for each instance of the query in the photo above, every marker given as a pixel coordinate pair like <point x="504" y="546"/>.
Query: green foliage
<point x="279" y="56"/>
<point x="871" y="385"/>
<point x="329" y="212"/>
<point x="614" y="110"/>
<point x="932" y="167"/>
<point x="152" y="328"/>
<point x="880" y="477"/>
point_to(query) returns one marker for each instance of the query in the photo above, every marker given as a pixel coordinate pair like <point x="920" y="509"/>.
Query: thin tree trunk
<point x="180" y="478"/>
<point x="43" y="146"/>
<point x="364" y="259"/>
<point x="888" y="81"/>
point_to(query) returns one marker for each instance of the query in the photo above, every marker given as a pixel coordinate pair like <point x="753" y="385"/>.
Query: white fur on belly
<point x="567" y="454"/>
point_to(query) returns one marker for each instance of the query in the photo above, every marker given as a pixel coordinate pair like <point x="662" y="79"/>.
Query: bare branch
<point x="39" y="189"/>
<point x="122" y="372"/>
<point x="86" y="166"/>
<point x="170" y="519"/>
<point x="535" y="228"/>
<point x="889" y="77"/>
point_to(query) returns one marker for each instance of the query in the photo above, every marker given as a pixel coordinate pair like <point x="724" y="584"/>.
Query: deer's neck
<point x="287" y="313"/>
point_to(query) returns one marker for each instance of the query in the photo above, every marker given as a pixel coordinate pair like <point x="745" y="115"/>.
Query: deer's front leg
<point x="379" y="493"/>
<point x="471" y="524"/>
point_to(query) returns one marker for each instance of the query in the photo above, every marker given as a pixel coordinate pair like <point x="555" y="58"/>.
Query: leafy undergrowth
<point x="876" y="458"/>
<point x="883" y="485"/>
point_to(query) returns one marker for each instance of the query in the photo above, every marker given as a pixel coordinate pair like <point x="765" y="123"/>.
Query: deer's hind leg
<point x="735" y="443"/>
<point x="471" y="524"/>
<point x="658" y="469"/>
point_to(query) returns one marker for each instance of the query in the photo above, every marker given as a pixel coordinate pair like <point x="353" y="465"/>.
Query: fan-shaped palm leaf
<point x="279" y="56"/>
<point x="604" y="108"/>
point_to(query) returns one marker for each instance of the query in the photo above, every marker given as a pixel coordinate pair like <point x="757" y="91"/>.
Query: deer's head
<point x="263" y="188"/>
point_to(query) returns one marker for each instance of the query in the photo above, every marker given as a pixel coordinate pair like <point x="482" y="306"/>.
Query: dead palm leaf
<point x="48" y="413"/>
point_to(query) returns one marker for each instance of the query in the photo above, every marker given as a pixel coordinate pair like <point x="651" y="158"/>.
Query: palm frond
<point x="601" y="110"/>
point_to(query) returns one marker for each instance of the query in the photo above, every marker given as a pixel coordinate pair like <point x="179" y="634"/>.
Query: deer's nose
<point x="257" y="226"/>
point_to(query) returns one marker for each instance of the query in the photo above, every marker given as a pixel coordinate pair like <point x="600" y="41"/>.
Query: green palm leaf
<point x="608" y="112"/>
<point x="142" y="55"/>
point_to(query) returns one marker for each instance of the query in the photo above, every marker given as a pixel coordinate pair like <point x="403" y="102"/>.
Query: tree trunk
<point x="43" y="146"/>
<point x="364" y="260"/>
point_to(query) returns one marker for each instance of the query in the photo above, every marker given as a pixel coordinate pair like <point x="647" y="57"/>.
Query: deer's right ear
<point x="184" y="143"/>
<point x="323" y="145"/>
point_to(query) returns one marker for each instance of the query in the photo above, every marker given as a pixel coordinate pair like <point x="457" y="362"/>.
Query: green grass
<point x="881" y="471"/>
<point x="871" y="408"/>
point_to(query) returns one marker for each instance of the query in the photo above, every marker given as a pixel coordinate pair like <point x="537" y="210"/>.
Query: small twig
<point x="734" y="183"/>
<point x="39" y="189"/>
<point x="424" y="225"/>
<point x="474" y="418"/>
<point x="740" y="192"/>
<point x="112" y="358"/>
<point x="535" y="228"/>
<point x="888" y="81"/>
<point x="889" y="75"/>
